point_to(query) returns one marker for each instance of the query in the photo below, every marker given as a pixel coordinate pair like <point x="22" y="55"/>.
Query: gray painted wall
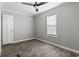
<point x="0" y="32"/>
<point x="22" y="24"/>
<point x="67" y="25"/>
<point x="1" y="5"/>
<point x="0" y="27"/>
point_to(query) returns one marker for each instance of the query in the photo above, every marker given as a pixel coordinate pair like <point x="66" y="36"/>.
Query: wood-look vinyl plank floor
<point x="34" y="48"/>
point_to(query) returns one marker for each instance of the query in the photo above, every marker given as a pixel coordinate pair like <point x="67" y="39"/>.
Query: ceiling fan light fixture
<point x="36" y="8"/>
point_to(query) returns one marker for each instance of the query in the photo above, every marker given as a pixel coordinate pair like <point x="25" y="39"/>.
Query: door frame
<point x="3" y="20"/>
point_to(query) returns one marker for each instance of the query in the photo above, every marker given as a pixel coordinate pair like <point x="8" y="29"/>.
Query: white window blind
<point x="51" y="25"/>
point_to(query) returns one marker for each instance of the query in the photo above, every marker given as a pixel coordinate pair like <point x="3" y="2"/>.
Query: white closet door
<point x="7" y="29"/>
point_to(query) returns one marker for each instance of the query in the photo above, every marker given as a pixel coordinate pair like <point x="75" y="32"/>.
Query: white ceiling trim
<point x="17" y="12"/>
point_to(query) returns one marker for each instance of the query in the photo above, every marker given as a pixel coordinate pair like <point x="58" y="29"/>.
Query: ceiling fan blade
<point x="27" y="3"/>
<point x="42" y="3"/>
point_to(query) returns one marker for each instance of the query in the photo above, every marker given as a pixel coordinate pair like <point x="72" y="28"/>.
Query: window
<point x="51" y="25"/>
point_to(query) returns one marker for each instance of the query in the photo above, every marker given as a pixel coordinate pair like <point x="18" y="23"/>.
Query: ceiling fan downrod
<point x="36" y="6"/>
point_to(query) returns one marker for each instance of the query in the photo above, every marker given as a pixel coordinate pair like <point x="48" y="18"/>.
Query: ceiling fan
<point x="35" y="5"/>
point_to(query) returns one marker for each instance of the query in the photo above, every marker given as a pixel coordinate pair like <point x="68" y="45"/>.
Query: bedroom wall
<point x="22" y="24"/>
<point x="1" y="5"/>
<point x="67" y="25"/>
<point x="0" y="32"/>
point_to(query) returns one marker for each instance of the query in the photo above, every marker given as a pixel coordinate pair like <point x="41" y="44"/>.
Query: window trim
<point x="52" y="35"/>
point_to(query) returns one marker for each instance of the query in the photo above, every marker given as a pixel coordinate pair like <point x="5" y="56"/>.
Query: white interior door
<point x="7" y="29"/>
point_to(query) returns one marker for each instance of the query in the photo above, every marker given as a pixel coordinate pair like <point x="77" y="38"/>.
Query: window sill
<point x="51" y="35"/>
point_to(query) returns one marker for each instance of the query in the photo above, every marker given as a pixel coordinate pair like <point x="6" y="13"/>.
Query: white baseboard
<point x="23" y="40"/>
<point x="63" y="47"/>
<point x="19" y="41"/>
